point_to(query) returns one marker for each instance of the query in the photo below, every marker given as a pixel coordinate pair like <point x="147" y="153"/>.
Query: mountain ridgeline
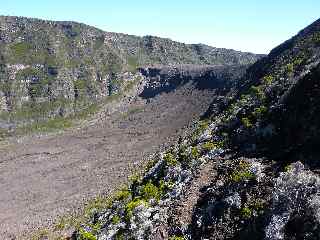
<point x="50" y="69"/>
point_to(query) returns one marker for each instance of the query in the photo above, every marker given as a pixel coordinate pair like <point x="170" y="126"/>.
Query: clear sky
<point x="248" y="25"/>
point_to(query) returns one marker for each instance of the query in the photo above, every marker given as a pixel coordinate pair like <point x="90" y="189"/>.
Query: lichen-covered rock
<point x="294" y="205"/>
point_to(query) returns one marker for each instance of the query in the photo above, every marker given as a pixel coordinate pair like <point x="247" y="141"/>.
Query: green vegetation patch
<point x="268" y="79"/>
<point x="257" y="92"/>
<point x="132" y="64"/>
<point x="246" y="122"/>
<point x="195" y="153"/>
<point x="177" y="238"/>
<point x="21" y="49"/>
<point x="58" y="123"/>
<point x="170" y="159"/>
<point x="252" y="209"/>
<point x="130" y="206"/>
<point x="84" y="235"/>
<point x="242" y="173"/>
<point x="259" y="112"/>
<point x="289" y="68"/>
<point x="208" y="146"/>
<point x="151" y="191"/>
<point x="201" y="127"/>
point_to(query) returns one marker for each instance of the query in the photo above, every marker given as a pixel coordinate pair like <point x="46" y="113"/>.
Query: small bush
<point x="202" y="126"/>
<point x="132" y="205"/>
<point x="241" y="176"/>
<point x="195" y="153"/>
<point x="208" y="146"/>
<point x="115" y="219"/>
<point x="176" y="238"/>
<point x="246" y="212"/>
<point x="170" y="159"/>
<point x="122" y="195"/>
<point x="256" y="91"/>
<point x="150" y="191"/>
<point x="297" y="61"/>
<point x="258" y="205"/>
<point x="150" y="164"/>
<point x="289" y="68"/>
<point x="246" y="122"/>
<point x="242" y="173"/>
<point x="84" y="235"/>
<point x="267" y="80"/>
<point x="260" y="111"/>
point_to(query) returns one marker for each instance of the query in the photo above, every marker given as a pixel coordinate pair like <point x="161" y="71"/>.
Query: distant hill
<point x="65" y="66"/>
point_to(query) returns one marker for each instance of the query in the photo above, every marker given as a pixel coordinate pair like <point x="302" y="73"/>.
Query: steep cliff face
<point x="65" y="63"/>
<point x="164" y="79"/>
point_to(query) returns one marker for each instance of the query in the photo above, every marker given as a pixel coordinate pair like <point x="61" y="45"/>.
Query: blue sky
<point x="247" y="25"/>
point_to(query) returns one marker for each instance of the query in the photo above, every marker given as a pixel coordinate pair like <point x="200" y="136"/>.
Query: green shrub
<point x="115" y="219"/>
<point x="170" y="159"/>
<point x="165" y="186"/>
<point x="3" y="134"/>
<point x="84" y="235"/>
<point x="122" y="195"/>
<point x="258" y="205"/>
<point x="267" y="80"/>
<point x="150" y="164"/>
<point x="183" y="155"/>
<point x="80" y="84"/>
<point x="176" y="238"/>
<point x="260" y="111"/>
<point x="297" y="61"/>
<point x="246" y="212"/>
<point x="289" y="68"/>
<point x="246" y="122"/>
<point x="50" y="125"/>
<point x="256" y="91"/>
<point x="202" y="126"/>
<point x="150" y="191"/>
<point x="242" y="173"/>
<point x="208" y="146"/>
<point x="195" y="153"/>
<point x="132" y="205"/>
<point x="241" y="176"/>
<point x="119" y="235"/>
<point x="287" y="168"/>
<point x="132" y="64"/>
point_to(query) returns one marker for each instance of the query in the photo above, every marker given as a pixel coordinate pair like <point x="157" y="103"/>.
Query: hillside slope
<point x="50" y="69"/>
<point x="249" y="171"/>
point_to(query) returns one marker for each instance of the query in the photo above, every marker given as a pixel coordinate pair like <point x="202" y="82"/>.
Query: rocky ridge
<point x="261" y="141"/>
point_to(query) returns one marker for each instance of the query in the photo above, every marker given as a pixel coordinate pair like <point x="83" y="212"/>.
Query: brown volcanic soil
<point x="44" y="177"/>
